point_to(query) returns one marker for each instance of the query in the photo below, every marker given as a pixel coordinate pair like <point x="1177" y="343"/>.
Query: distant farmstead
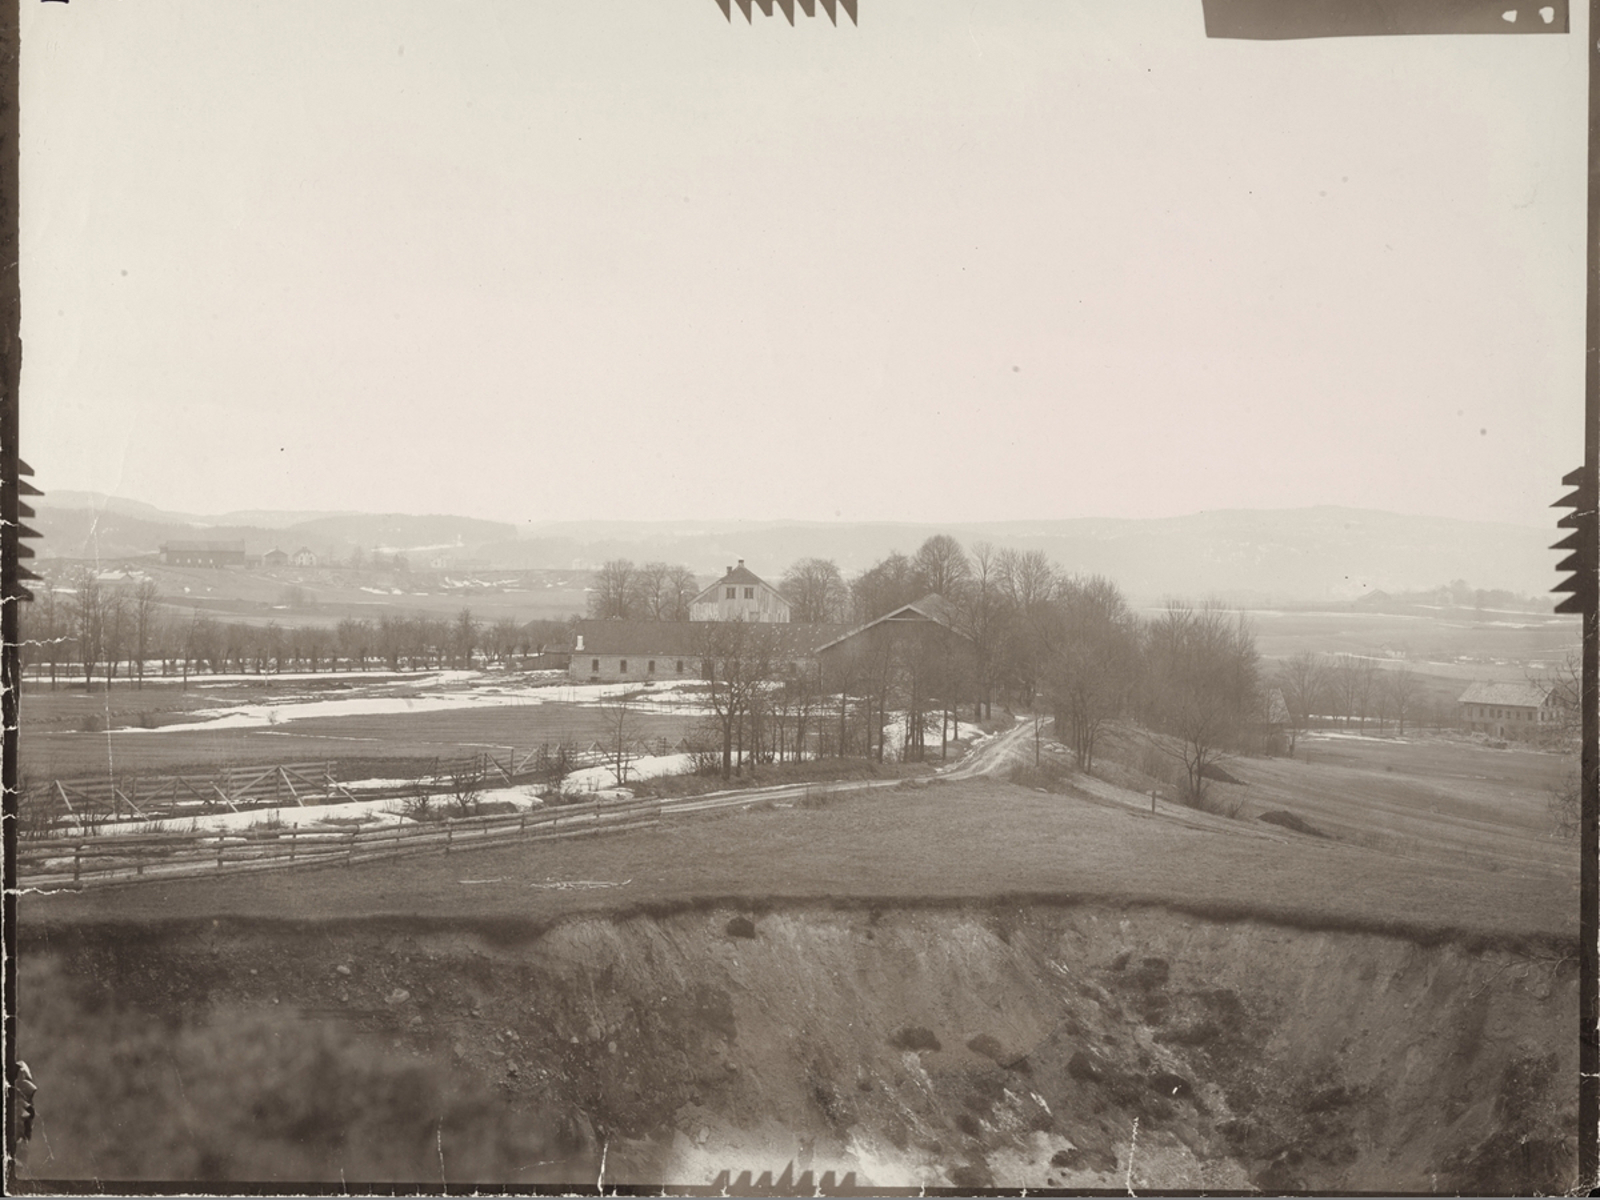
<point x="275" y="558"/>
<point x="304" y="558"/>
<point x="740" y="595"/>
<point x="1509" y="709"/>
<point x="203" y="554"/>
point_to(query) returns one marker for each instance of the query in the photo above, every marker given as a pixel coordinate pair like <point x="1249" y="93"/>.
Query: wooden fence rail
<point x="56" y="862"/>
<point x="283" y="784"/>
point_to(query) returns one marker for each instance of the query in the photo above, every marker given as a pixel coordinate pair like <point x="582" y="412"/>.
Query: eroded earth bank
<point x="1044" y="1046"/>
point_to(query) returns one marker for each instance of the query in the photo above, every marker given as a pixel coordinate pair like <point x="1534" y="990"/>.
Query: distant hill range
<point x="1304" y="555"/>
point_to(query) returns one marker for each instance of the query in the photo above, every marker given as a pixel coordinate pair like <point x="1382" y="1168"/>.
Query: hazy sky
<point x="553" y="259"/>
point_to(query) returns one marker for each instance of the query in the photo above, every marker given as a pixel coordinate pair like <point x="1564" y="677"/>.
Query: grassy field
<point x="935" y="843"/>
<point x="60" y="737"/>
<point x="1455" y="644"/>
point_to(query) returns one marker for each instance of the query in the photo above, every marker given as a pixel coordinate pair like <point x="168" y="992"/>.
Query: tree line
<point x="1031" y="635"/>
<point x="89" y="630"/>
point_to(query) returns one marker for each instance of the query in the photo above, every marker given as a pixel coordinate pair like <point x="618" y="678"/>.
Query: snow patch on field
<point x="650" y="766"/>
<point x="894" y="732"/>
<point x="439" y="692"/>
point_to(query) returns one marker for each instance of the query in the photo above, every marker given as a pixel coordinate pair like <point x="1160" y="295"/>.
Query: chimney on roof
<point x="741" y="564"/>
<point x="728" y="571"/>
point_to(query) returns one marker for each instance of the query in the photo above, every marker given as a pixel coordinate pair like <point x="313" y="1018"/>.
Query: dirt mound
<point x="1289" y="821"/>
<point x="1220" y="774"/>
<point x="1071" y="1047"/>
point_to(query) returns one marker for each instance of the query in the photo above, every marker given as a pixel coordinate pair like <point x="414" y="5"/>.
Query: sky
<point x="542" y="260"/>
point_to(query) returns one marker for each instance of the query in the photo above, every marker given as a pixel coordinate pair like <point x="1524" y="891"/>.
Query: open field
<point x="362" y="715"/>
<point x="935" y="843"/>
<point x="1451" y="643"/>
<point x="292" y="596"/>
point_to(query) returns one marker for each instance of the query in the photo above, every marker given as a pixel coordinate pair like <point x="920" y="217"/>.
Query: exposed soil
<point x="966" y="1046"/>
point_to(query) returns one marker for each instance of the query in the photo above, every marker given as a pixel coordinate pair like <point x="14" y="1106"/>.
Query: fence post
<point x="77" y="858"/>
<point x="523" y="827"/>
<point x="294" y="832"/>
<point x="449" y="833"/>
<point x="220" y="845"/>
<point x="350" y="848"/>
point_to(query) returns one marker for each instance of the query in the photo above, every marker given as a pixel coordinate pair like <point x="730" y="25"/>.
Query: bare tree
<point x="1368" y="692"/>
<point x="619" y="735"/>
<point x="885" y="586"/>
<point x="1093" y="660"/>
<point x="464" y="638"/>
<point x="942" y="565"/>
<point x="816" y="591"/>
<point x="736" y="660"/>
<point x="1402" y="688"/>
<point x="145" y="611"/>
<point x="1344" y="681"/>
<point x="1202" y="687"/>
<point x="615" y="591"/>
<point x="87" y="618"/>
<point x="982" y="614"/>
<point x="1303" y="680"/>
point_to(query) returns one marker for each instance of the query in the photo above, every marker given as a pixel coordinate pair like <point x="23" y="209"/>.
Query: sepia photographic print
<point x="799" y="598"/>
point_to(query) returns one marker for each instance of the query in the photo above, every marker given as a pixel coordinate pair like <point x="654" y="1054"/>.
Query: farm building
<point x="740" y="595"/>
<point x="274" y="558"/>
<point x="639" y="651"/>
<point x="203" y="554"/>
<point x="918" y="641"/>
<point x="610" y="651"/>
<point x="304" y="558"/>
<point x="1509" y="709"/>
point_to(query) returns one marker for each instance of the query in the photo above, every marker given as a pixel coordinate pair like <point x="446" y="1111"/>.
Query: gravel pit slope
<point x="1067" y="1046"/>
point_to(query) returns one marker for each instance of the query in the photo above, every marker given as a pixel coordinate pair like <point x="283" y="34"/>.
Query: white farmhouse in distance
<point x="740" y="595"/>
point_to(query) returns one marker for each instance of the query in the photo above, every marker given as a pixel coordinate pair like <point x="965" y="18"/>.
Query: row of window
<point x="1507" y="714"/>
<point x="594" y="666"/>
<point x="749" y="593"/>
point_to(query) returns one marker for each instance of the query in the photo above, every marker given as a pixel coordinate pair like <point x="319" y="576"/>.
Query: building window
<point x="595" y="665"/>
<point x="733" y="593"/>
<point x="749" y="593"/>
<point x="651" y="667"/>
<point x="680" y="666"/>
<point x="623" y="666"/>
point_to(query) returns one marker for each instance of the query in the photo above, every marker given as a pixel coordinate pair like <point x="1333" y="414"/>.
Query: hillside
<point x="1244" y="556"/>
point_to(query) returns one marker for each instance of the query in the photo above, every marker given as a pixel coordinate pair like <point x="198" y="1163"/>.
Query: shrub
<point x="914" y="1037"/>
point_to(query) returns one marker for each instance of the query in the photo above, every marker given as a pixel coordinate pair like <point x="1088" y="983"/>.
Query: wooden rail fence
<point x="81" y="861"/>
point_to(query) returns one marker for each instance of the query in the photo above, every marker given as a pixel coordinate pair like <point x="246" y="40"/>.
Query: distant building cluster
<point x="230" y="554"/>
<point x="628" y="651"/>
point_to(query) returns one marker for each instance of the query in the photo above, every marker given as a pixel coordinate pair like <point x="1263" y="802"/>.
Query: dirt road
<point x="1005" y="750"/>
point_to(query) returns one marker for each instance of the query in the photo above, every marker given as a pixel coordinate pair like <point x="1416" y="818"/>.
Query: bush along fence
<point x="82" y="861"/>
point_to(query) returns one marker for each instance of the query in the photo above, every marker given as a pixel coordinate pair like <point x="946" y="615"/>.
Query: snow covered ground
<point x="599" y="782"/>
<point x="894" y="732"/>
<point x="437" y="691"/>
<point x="590" y="779"/>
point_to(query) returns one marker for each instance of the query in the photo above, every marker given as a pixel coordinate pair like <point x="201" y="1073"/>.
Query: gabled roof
<point x="1507" y="695"/>
<point x="665" y="638"/>
<point x="742" y="575"/>
<point x="932" y="608"/>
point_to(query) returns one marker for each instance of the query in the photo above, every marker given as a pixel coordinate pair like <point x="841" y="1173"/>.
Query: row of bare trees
<point x="656" y="591"/>
<point x="1347" y="689"/>
<point x="90" y="629"/>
